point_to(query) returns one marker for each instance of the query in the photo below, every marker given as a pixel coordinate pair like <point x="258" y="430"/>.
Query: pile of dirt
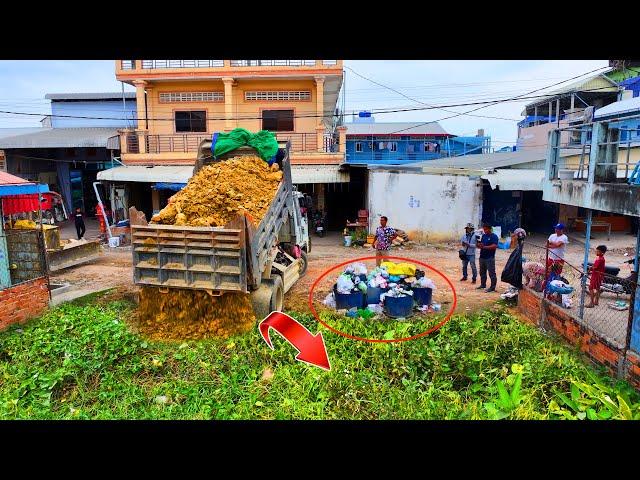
<point x="218" y="192"/>
<point x="213" y="197"/>
<point x="191" y="314"/>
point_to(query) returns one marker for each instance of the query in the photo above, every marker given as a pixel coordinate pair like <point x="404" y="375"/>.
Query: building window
<point x="393" y="146"/>
<point x="358" y="146"/>
<point x="191" y="121"/>
<point x="426" y="146"/>
<point x="173" y="97"/>
<point x="277" y="120"/>
<point x="277" y="96"/>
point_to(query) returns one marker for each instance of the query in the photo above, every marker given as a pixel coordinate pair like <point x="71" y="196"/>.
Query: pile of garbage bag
<point x="352" y="279"/>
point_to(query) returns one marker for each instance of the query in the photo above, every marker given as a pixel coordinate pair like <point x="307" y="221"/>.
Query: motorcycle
<point x="612" y="283"/>
<point x="319" y="224"/>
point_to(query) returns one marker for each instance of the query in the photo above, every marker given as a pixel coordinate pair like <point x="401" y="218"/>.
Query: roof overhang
<point x="515" y="179"/>
<point x="23" y="189"/>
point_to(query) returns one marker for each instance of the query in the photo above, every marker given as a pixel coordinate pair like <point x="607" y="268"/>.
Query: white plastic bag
<point x="359" y="268"/>
<point x="344" y="284"/>
<point x="330" y="301"/>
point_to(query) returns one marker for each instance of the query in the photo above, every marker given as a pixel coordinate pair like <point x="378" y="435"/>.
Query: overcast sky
<point x="23" y="85"/>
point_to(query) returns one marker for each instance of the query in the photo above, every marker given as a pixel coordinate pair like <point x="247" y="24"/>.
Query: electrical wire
<point x="418" y="101"/>
<point x="485" y="104"/>
<point x="514" y="98"/>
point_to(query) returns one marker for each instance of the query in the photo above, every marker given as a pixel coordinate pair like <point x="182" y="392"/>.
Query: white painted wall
<point x="432" y="207"/>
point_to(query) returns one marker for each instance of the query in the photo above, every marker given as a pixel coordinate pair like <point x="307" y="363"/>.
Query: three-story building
<point x="182" y="102"/>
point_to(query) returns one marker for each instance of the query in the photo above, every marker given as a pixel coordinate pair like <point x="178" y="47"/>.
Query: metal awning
<point x="516" y="179"/>
<point x="141" y="173"/>
<point x="318" y="174"/>
<point x="182" y="174"/>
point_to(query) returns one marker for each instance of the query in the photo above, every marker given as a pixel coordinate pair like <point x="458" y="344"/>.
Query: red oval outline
<point x="375" y="340"/>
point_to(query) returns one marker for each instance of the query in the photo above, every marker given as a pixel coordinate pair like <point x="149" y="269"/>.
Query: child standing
<point x="597" y="275"/>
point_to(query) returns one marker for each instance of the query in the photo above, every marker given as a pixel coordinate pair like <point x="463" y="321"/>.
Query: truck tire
<point x="277" y="294"/>
<point x="304" y="263"/>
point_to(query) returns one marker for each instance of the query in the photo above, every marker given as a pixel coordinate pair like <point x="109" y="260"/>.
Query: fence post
<point x="585" y="264"/>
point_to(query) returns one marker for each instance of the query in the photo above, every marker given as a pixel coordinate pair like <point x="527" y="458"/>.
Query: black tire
<point x="277" y="294"/>
<point x="305" y="263"/>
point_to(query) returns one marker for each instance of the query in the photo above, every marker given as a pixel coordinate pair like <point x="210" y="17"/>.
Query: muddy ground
<point x="113" y="269"/>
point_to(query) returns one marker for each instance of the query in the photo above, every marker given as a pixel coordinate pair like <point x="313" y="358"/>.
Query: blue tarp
<point x="169" y="186"/>
<point x="22" y="189"/>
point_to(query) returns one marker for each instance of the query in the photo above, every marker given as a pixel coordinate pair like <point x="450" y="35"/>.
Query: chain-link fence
<point x="601" y="301"/>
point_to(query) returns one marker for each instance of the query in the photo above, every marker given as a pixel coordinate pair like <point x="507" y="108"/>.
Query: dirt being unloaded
<point x="213" y="197"/>
<point x="191" y="314"/>
<point x="218" y="192"/>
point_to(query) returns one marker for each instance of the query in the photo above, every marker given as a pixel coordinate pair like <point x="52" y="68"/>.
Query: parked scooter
<point x="319" y="226"/>
<point x="612" y="283"/>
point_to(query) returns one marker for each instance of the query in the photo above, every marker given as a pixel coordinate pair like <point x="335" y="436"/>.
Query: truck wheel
<point x="304" y="263"/>
<point x="277" y="295"/>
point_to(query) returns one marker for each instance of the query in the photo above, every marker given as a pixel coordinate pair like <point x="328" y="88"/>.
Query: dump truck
<point x="263" y="260"/>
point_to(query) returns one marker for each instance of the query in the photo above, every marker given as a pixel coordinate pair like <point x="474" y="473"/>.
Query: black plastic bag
<point x="512" y="273"/>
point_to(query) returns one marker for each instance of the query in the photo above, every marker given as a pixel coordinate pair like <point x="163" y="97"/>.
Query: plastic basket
<point x="349" y="300"/>
<point x="422" y="296"/>
<point x="397" y="307"/>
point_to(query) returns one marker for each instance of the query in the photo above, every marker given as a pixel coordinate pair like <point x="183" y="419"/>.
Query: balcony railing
<point x="611" y="142"/>
<point x="300" y="142"/>
<point x="273" y="63"/>
<point x="151" y="64"/>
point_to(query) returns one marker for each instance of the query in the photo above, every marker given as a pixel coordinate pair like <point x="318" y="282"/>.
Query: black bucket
<point x="397" y="307"/>
<point x="422" y="296"/>
<point x="348" y="300"/>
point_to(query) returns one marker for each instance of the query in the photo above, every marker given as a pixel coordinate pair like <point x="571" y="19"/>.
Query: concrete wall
<point x="428" y="207"/>
<point x="26" y="252"/>
<point x="607" y="197"/>
<point x="105" y="109"/>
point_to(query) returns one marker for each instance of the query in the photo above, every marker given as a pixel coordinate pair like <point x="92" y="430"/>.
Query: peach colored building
<point x="181" y="102"/>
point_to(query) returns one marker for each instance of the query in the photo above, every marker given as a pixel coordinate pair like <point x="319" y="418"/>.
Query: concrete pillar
<point x="155" y="200"/>
<point x="141" y="114"/>
<point x="320" y="111"/>
<point x="558" y="111"/>
<point x="550" y="110"/>
<point x="342" y="139"/>
<point x="321" y="197"/>
<point x="573" y="101"/>
<point x="228" y="103"/>
<point x="535" y="114"/>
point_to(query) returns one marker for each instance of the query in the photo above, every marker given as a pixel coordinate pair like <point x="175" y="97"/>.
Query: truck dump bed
<point x="229" y="259"/>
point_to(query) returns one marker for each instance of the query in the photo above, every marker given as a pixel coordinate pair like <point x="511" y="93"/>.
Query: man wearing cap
<point x="487" y="244"/>
<point x="557" y="243"/>
<point x="469" y="247"/>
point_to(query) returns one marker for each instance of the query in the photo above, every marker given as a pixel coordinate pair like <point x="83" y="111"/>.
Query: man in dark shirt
<point x="80" y="228"/>
<point x="487" y="244"/>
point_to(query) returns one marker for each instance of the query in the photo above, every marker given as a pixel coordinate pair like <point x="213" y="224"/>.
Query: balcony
<point x="188" y="143"/>
<point x="591" y="166"/>
<point x="129" y="69"/>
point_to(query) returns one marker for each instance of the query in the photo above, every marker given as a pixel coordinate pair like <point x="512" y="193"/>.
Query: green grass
<point x="80" y="361"/>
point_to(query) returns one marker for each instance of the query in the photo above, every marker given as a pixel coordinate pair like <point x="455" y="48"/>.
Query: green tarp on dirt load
<point x="263" y="141"/>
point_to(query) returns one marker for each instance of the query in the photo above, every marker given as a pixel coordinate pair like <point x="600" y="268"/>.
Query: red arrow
<point x="311" y="347"/>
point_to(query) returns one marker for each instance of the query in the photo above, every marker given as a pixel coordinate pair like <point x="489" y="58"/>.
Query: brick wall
<point x="596" y="348"/>
<point x="23" y="301"/>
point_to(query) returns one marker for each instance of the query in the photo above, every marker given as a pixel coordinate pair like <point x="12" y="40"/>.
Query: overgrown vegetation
<point x="81" y="361"/>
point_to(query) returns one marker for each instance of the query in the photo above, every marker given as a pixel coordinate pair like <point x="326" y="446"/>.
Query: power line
<point x="418" y="101"/>
<point x="514" y="98"/>
<point x="376" y="111"/>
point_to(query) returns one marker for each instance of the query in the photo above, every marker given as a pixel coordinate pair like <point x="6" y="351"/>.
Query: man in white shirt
<point x="557" y="244"/>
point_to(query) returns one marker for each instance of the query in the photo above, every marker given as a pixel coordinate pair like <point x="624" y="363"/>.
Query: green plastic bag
<point x="263" y="141"/>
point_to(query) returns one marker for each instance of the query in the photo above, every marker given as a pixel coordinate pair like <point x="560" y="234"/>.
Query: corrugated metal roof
<point x="630" y="105"/>
<point x="407" y="128"/>
<point x="12" y="132"/>
<point x="8" y="179"/>
<point x="61" y="138"/>
<point x="599" y="83"/>
<point x="521" y="179"/>
<point x="491" y="161"/>
<point x="89" y="96"/>
<point x="139" y="173"/>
